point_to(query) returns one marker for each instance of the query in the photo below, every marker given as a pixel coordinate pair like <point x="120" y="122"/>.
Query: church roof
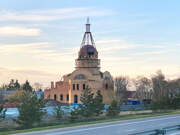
<point x="88" y="49"/>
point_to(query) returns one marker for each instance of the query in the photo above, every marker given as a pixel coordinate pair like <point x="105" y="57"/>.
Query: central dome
<point x="88" y="50"/>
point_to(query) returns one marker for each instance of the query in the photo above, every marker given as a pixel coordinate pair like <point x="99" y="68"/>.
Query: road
<point x="125" y="127"/>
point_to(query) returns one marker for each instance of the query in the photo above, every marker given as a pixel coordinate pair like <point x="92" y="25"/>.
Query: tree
<point x="2" y="112"/>
<point x="160" y="87"/>
<point x="37" y="86"/>
<point x="175" y="102"/>
<point x="75" y="114"/>
<point x="98" y="103"/>
<point x="58" y="112"/>
<point x="121" y="84"/>
<point x="173" y="87"/>
<point x="87" y="107"/>
<point x="143" y="88"/>
<point x="1" y="97"/>
<point x="90" y="105"/>
<point x="30" y="111"/>
<point x="17" y="96"/>
<point x="114" y="109"/>
<point x="4" y="87"/>
<point x="11" y="85"/>
<point x="27" y="87"/>
<point x="16" y="85"/>
<point x="166" y="93"/>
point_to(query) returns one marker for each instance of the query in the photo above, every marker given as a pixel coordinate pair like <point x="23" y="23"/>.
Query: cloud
<point x="151" y="53"/>
<point x="43" y="77"/>
<point x="44" y="51"/>
<point x="174" y="76"/>
<point x="19" y="31"/>
<point x="27" y="48"/>
<point x="111" y="45"/>
<point x="52" y="14"/>
<point x="108" y="41"/>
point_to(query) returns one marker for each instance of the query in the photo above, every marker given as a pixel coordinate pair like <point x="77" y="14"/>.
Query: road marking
<point x="178" y="133"/>
<point x="130" y="130"/>
<point x="107" y="126"/>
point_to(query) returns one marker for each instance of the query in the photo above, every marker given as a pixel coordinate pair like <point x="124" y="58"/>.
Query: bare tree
<point x="160" y="86"/>
<point x="143" y="88"/>
<point x="173" y="87"/>
<point x="120" y="87"/>
<point x="37" y="86"/>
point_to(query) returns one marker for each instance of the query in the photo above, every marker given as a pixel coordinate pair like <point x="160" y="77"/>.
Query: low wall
<point x="135" y="112"/>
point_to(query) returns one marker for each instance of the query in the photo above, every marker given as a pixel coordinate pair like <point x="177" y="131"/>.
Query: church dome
<point x="88" y="51"/>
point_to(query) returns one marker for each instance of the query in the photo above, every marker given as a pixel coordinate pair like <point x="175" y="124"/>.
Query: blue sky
<point x="39" y="39"/>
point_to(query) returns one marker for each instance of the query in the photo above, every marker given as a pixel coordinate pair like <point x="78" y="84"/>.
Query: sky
<point x="40" y="39"/>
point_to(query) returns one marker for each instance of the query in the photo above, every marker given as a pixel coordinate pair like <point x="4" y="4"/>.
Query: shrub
<point x="166" y="103"/>
<point x="2" y="112"/>
<point x="17" y="96"/>
<point x="58" y="112"/>
<point x="75" y="114"/>
<point x="114" y="109"/>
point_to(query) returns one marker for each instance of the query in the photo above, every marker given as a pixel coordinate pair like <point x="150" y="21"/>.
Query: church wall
<point x="87" y="72"/>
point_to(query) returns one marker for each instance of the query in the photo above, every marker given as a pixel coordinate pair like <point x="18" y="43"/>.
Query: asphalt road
<point x="125" y="127"/>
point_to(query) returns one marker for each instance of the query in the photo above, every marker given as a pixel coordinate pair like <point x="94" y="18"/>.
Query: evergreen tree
<point x="58" y="112"/>
<point x="98" y="103"/>
<point x="87" y="100"/>
<point x="27" y="87"/>
<point x="114" y="109"/>
<point x="11" y="85"/>
<point x="16" y="85"/>
<point x="30" y="111"/>
<point x="2" y="112"/>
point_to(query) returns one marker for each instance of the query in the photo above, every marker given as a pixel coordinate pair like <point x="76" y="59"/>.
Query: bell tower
<point x="88" y="55"/>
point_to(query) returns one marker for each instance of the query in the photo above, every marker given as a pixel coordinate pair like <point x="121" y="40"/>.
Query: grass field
<point x="127" y="117"/>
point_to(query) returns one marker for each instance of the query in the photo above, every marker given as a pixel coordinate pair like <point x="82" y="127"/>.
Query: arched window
<point x="106" y="86"/>
<point x="74" y="86"/>
<point x="61" y="97"/>
<point x="67" y="97"/>
<point x="84" y="86"/>
<point x="55" y="97"/>
<point x="77" y="86"/>
<point x="75" y="99"/>
<point x="79" y="77"/>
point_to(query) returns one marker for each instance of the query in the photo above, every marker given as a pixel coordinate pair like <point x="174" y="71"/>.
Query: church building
<point x="86" y="74"/>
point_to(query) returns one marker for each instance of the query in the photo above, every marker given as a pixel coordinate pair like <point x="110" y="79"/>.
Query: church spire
<point x="87" y="38"/>
<point x="88" y="25"/>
